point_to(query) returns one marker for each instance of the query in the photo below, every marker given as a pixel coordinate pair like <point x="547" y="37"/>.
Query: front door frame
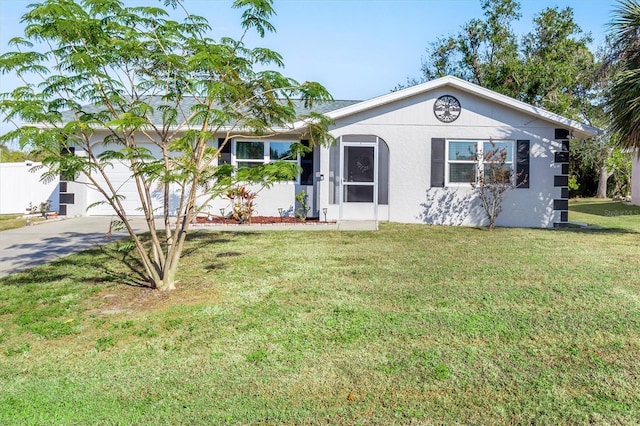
<point x="358" y="210"/>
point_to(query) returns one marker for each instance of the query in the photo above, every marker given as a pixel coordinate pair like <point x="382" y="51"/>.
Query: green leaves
<point x="559" y="70"/>
<point x="312" y="92"/>
<point x="623" y="97"/>
<point x="552" y="67"/>
<point x="256" y="15"/>
<point x="22" y="63"/>
<point x="130" y="86"/>
<point x="268" y="174"/>
<point x="483" y="52"/>
<point x="317" y="126"/>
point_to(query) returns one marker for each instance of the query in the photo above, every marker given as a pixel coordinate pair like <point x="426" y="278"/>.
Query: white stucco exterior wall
<point x="267" y="202"/>
<point x="408" y="127"/>
<point x="635" y="179"/>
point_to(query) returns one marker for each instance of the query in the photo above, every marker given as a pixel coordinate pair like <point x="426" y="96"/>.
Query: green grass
<point x="409" y="325"/>
<point x="14" y="221"/>
<point x="606" y="214"/>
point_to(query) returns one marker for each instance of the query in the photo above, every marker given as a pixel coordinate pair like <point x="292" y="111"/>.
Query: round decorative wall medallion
<point x="446" y="108"/>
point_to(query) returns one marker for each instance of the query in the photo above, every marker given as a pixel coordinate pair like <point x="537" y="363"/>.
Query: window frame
<point x="237" y="160"/>
<point x="266" y="153"/>
<point x="479" y="162"/>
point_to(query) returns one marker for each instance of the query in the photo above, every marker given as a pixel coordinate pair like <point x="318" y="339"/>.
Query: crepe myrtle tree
<point x="153" y="93"/>
<point x="493" y="180"/>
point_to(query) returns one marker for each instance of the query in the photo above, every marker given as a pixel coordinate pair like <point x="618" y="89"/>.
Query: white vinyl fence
<point x="19" y="186"/>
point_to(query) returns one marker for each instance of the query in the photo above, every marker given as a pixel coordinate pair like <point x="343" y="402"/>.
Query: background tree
<point x="600" y="167"/>
<point x="163" y="90"/>
<point x="558" y="69"/>
<point x="619" y="165"/>
<point x="589" y="165"/>
<point x="8" y="155"/>
<point x="598" y="164"/>
<point x="551" y="67"/>
<point x="484" y="52"/>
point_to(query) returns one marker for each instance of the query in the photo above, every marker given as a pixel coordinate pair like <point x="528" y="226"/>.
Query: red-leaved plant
<point x="241" y="203"/>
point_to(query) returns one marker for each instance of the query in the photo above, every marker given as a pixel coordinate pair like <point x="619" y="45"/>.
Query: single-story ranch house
<point x="407" y="156"/>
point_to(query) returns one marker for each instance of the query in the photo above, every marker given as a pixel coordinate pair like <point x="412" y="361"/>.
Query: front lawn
<point x="409" y="325"/>
<point x="13" y="221"/>
<point x="606" y="214"/>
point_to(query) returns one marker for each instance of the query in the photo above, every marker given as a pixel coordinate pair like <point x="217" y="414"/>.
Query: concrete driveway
<point x="35" y="245"/>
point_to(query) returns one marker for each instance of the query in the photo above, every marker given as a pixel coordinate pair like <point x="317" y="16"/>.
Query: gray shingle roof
<point x="188" y="102"/>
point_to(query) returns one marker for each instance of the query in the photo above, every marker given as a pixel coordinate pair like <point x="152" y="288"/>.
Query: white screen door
<point x="359" y="192"/>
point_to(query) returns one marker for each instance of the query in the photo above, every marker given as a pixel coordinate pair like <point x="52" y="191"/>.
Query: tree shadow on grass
<point x="114" y="262"/>
<point x="199" y="241"/>
<point x="92" y="267"/>
<point x="597" y="230"/>
<point x="122" y="252"/>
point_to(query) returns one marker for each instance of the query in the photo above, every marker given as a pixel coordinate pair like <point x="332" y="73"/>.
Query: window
<point x="281" y="151"/>
<point x="493" y="151"/>
<point x="249" y="154"/>
<point x="225" y="152"/>
<point x="466" y="158"/>
<point x="256" y="153"/>
<point x="462" y="161"/>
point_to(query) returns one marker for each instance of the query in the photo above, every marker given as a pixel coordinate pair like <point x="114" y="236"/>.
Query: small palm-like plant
<point x="623" y="99"/>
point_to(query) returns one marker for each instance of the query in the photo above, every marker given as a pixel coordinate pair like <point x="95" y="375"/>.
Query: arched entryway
<point x="360" y="170"/>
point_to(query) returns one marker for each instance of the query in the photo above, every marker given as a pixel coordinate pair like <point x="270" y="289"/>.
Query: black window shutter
<point x="225" y="154"/>
<point x="522" y="164"/>
<point x="437" y="162"/>
<point x="306" y="162"/>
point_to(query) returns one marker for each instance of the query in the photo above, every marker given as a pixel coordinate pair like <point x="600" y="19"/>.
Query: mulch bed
<point x="255" y="220"/>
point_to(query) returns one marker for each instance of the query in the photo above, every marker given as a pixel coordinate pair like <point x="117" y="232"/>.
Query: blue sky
<point x="358" y="49"/>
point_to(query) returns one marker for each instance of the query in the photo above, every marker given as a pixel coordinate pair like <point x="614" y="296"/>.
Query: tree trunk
<point x="169" y="281"/>
<point x="170" y="269"/>
<point x="602" y="183"/>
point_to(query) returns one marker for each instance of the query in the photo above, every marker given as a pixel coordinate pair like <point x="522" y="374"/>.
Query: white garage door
<point x="121" y="178"/>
